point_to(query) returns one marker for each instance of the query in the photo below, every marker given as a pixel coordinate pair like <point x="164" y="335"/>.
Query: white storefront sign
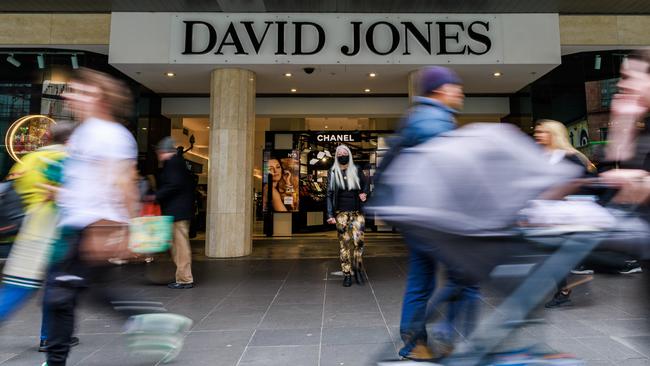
<point x="267" y="38"/>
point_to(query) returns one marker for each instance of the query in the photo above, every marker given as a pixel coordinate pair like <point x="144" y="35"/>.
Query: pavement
<point x="295" y="312"/>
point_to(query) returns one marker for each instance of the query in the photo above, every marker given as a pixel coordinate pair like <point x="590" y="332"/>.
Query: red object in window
<point x="150" y="209"/>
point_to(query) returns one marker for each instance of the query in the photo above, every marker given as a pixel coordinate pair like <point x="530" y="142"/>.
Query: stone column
<point x="230" y="179"/>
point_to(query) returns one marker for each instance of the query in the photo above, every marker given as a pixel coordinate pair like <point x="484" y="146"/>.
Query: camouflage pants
<point x="350" y="227"/>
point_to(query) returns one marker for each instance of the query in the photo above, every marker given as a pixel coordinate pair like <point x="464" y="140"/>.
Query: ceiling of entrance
<point x="332" y="79"/>
<point x="334" y="6"/>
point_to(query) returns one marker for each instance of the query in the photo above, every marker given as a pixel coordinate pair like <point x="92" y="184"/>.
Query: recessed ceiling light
<point x="170" y="74"/>
<point x="372" y="74"/>
<point x="294" y="90"/>
<point x="288" y="74"/>
<point x="366" y="90"/>
<point x="208" y="127"/>
<point x="497" y="74"/>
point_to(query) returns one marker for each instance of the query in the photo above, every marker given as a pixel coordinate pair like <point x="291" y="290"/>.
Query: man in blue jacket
<point x="440" y="96"/>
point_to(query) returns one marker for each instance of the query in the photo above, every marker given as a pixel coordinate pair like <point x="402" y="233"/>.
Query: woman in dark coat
<point x="347" y="190"/>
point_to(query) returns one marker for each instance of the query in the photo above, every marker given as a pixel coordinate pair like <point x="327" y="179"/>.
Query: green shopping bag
<point x="150" y="234"/>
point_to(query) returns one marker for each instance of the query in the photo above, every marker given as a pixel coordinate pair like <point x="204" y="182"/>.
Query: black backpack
<point x="12" y="210"/>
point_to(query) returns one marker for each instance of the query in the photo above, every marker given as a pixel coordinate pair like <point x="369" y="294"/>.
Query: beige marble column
<point x="230" y="180"/>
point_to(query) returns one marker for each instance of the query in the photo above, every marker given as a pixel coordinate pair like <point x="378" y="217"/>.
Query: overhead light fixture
<point x="366" y="90"/>
<point x="170" y="74"/>
<point x="597" y="62"/>
<point x="294" y="90"/>
<point x="497" y="74"/>
<point x="74" y="61"/>
<point x="208" y="127"/>
<point x="288" y="74"/>
<point x="372" y="74"/>
<point x="12" y="60"/>
<point x="40" y="59"/>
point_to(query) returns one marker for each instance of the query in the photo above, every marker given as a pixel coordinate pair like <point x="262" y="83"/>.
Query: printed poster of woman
<point x="281" y="173"/>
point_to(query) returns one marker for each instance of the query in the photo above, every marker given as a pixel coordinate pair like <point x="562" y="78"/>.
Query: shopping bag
<point x="150" y="234"/>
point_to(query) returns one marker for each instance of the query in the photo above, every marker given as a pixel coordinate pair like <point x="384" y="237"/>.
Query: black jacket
<point x="176" y="189"/>
<point x="333" y="194"/>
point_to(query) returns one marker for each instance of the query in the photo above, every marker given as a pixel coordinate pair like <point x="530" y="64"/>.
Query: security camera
<point x="308" y="70"/>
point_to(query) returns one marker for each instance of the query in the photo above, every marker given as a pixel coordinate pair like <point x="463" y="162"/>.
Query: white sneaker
<point x="118" y="261"/>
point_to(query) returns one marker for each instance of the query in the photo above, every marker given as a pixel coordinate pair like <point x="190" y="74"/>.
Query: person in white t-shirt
<point x="99" y="183"/>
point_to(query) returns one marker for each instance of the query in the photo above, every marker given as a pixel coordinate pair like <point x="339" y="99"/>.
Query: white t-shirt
<point x="89" y="192"/>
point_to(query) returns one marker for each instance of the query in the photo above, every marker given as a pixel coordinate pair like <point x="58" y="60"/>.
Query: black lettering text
<point x="298" y="33"/>
<point x="189" y="37"/>
<point x="231" y="33"/>
<point x="257" y="43"/>
<point x="425" y="42"/>
<point x="479" y="37"/>
<point x="356" y="40"/>
<point x="370" y="38"/>
<point x="442" y="27"/>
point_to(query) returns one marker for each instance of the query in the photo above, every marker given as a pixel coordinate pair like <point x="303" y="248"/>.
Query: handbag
<point x="105" y="239"/>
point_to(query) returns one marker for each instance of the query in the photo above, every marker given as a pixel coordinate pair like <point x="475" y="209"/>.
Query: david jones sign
<point x="361" y="35"/>
<point x="336" y="38"/>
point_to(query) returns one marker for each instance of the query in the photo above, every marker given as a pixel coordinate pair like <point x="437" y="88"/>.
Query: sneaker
<point x="117" y="261"/>
<point x="420" y="352"/>
<point x="559" y="299"/>
<point x="180" y="286"/>
<point x="631" y="267"/>
<point x="582" y="270"/>
<point x="42" y="346"/>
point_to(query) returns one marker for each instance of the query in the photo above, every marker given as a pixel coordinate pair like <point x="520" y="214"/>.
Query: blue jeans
<point x="420" y="286"/>
<point x="13" y="298"/>
<point x="463" y="308"/>
<point x="420" y="283"/>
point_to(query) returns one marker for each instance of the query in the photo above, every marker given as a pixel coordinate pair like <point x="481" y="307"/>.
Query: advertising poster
<point x="281" y="181"/>
<point x="52" y="102"/>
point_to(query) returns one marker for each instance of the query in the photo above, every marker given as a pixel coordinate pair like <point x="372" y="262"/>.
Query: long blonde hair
<point x="560" y="141"/>
<point x="350" y="173"/>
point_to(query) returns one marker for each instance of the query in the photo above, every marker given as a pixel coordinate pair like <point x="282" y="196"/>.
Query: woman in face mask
<point x="346" y="191"/>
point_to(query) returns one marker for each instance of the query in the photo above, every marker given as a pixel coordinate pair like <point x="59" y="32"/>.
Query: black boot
<point x="347" y="280"/>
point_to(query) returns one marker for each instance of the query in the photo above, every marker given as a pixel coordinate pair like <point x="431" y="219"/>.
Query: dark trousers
<point x="66" y="280"/>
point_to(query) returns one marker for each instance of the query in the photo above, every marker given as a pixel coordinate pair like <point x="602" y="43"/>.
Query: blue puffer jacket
<point x="426" y="119"/>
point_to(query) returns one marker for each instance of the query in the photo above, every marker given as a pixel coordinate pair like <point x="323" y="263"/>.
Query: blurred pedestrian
<point x="97" y="200"/>
<point x="346" y="192"/>
<point x="440" y="97"/>
<point x="553" y="136"/>
<point x="629" y="145"/>
<point x="176" y="187"/>
<point x="35" y="177"/>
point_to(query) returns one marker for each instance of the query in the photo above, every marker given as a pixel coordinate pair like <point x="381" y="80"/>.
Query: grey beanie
<point x="167" y="144"/>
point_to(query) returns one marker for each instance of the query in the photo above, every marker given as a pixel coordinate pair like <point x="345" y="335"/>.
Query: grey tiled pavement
<point x="295" y="312"/>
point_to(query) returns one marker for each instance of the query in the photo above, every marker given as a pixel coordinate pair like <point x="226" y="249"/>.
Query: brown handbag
<point x="105" y="239"/>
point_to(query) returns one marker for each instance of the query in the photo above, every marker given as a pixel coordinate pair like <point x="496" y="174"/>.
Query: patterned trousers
<point x="350" y="227"/>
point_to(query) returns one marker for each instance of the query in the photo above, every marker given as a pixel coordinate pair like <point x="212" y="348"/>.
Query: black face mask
<point x="344" y="159"/>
